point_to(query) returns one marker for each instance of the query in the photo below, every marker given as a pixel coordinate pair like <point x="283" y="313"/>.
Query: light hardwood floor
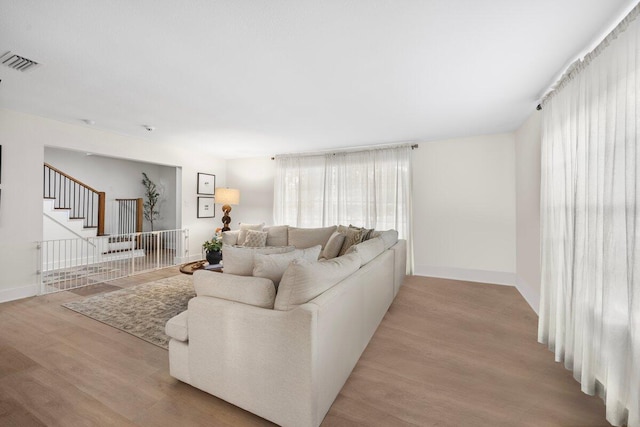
<point x="448" y="353"/>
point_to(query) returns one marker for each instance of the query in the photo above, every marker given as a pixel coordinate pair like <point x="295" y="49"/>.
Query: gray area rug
<point x="142" y="310"/>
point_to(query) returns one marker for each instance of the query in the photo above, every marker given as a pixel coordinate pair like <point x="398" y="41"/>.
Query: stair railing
<point x="129" y="213"/>
<point x="83" y="201"/>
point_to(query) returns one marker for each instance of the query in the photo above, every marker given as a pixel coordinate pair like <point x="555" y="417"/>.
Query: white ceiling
<point x="246" y="78"/>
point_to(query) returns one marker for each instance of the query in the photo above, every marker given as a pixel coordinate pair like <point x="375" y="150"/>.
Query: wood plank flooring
<point x="448" y="353"/>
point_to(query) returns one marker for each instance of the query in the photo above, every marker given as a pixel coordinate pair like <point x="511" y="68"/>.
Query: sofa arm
<point x="258" y="359"/>
<point x="256" y="291"/>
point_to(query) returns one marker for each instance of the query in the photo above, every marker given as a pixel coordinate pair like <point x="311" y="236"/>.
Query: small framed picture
<point x="206" y="207"/>
<point x="206" y="183"/>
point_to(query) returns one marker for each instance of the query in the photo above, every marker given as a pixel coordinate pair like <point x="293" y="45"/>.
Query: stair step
<point x="76" y="217"/>
<point x="62" y="209"/>
<point x="49" y="198"/>
<point x="117" y="251"/>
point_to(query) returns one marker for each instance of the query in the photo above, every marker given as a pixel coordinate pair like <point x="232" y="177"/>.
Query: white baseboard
<point x="530" y="294"/>
<point x="481" y="276"/>
<point x="18" y="293"/>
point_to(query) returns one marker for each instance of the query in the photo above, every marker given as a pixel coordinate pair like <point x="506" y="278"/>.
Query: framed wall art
<point x="206" y="207"/>
<point x="206" y="184"/>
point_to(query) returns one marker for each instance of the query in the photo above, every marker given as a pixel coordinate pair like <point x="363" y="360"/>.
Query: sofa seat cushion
<point x="303" y="238"/>
<point x="368" y="250"/>
<point x="273" y="266"/>
<point x="239" y="260"/>
<point x="255" y="291"/>
<point x="304" y="280"/>
<point x="178" y="327"/>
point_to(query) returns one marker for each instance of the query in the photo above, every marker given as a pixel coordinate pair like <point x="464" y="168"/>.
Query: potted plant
<point x="213" y="248"/>
<point x="150" y="242"/>
<point x="152" y="198"/>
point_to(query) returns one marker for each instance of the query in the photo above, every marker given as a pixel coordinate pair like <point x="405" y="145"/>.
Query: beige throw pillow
<point x="239" y="260"/>
<point x="273" y="266"/>
<point x="333" y="246"/>
<point x="242" y="236"/>
<point x="304" y="280"/>
<point x="353" y="237"/>
<point x="256" y="239"/>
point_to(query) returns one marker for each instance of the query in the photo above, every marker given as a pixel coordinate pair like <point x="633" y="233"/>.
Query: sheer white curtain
<point x="590" y="210"/>
<point x="369" y="188"/>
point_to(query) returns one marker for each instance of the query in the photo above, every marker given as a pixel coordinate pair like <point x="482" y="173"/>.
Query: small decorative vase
<point x="214" y="257"/>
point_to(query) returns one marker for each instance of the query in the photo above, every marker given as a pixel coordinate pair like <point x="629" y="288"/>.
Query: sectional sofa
<point x="286" y="355"/>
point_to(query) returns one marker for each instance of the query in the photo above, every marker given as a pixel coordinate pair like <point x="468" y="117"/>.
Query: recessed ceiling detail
<point x="17" y="62"/>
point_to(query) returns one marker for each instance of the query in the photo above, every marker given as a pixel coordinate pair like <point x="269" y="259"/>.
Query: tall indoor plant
<point x="152" y="198"/>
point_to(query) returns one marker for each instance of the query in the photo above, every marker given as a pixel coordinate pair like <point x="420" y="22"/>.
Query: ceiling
<point x="244" y="78"/>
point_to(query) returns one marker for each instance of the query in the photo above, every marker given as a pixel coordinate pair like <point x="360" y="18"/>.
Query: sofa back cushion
<point x="273" y="266"/>
<point x="277" y="235"/>
<point x="239" y="260"/>
<point x="303" y="238"/>
<point x="247" y="290"/>
<point x="304" y="280"/>
<point x="389" y="237"/>
<point x="368" y="250"/>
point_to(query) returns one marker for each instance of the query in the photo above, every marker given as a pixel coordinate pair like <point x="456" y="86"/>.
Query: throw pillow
<point x="366" y="232"/>
<point x="238" y="260"/>
<point x="303" y="238"/>
<point x="242" y="236"/>
<point x="304" y="280"/>
<point x="273" y="266"/>
<point x="333" y="246"/>
<point x="256" y="239"/>
<point x="353" y="237"/>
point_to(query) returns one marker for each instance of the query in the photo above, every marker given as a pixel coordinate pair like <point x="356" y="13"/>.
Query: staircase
<point x="74" y="216"/>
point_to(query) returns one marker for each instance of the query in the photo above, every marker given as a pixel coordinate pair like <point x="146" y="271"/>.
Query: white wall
<point x="23" y="138"/>
<point x="464" y="209"/>
<point x="98" y="172"/>
<point x="528" y="209"/>
<point x="254" y="178"/>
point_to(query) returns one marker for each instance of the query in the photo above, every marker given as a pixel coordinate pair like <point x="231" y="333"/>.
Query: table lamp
<point x="227" y="197"/>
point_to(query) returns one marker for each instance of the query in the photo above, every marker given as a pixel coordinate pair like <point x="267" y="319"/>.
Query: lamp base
<point x="226" y="219"/>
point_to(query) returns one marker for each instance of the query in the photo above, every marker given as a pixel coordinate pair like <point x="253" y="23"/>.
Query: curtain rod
<point x="580" y="64"/>
<point x="351" y="150"/>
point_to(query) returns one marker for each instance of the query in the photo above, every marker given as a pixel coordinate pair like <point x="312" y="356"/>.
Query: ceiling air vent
<point x="17" y="62"/>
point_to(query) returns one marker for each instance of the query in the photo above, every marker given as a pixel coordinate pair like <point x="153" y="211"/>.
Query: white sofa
<point x="286" y="364"/>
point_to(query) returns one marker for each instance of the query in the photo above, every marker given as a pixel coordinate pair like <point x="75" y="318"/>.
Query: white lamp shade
<point x="227" y="196"/>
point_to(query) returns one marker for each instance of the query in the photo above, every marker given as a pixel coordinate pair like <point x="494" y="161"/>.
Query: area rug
<point x="142" y="310"/>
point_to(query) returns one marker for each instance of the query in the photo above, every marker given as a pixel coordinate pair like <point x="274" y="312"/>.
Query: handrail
<point x="71" y="178"/>
<point x="82" y="200"/>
